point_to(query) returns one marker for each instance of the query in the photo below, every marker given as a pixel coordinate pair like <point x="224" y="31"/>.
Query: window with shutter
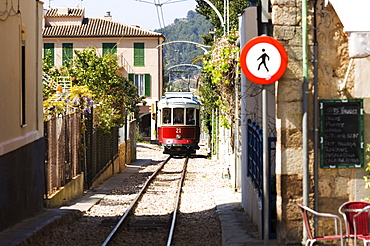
<point x="142" y="82"/>
<point x="139" y="54"/>
<point x="147" y="85"/>
<point x="67" y="54"/>
<point x="49" y="51"/>
<point x="109" y="48"/>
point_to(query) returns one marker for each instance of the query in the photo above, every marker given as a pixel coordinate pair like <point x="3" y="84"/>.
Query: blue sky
<point x="143" y="13"/>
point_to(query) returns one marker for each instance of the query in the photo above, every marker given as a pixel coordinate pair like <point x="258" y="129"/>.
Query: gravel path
<point x="198" y="222"/>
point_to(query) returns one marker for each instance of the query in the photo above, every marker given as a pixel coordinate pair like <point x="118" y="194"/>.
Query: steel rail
<point x="133" y="203"/>
<point x="176" y="208"/>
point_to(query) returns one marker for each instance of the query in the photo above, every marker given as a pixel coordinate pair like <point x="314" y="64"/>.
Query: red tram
<point x="178" y="123"/>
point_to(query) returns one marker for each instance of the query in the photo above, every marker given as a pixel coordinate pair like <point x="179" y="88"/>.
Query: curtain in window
<point x="142" y="82"/>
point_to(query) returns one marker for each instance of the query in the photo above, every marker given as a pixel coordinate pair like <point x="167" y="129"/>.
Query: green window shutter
<point x="131" y="77"/>
<point x="109" y="48"/>
<point x="139" y="59"/>
<point x="49" y="51"/>
<point x="147" y="85"/>
<point x="67" y="54"/>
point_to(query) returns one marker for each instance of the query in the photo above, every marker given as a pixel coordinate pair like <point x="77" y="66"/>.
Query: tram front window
<point x="190" y="120"/>
<point x="166" y="116"/>
<point x="178" y="116"/>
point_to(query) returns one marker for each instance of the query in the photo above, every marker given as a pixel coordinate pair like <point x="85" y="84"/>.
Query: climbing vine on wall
<point x="367" y="177"/>
<point x="219" y="77"/>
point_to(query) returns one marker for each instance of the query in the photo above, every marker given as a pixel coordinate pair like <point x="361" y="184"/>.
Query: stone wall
<point x="333" y="62"/>
<point x="286" y="18"/>
<point x="332" y="66"/>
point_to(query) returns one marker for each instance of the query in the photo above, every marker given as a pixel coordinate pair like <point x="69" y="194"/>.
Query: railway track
<point x="164" y="184"/>
<point x="197" y="221"/>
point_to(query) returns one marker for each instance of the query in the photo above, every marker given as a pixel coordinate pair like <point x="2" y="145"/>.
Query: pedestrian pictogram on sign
<point x="263" y="60"/>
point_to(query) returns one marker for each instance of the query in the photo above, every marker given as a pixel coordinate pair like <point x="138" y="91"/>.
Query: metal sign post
<point x="266" y="178"/>
<point x="263" y="61"/>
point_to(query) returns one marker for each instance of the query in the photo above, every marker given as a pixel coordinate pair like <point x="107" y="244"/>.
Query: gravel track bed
<point x="155" y="206"/>
<point x="198" y="222"/>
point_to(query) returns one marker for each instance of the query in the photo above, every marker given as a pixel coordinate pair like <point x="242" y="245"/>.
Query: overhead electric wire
<point x="163" y="22"/>
<point x="159" y="9"/>
<point x="170" y="1"/>
<point x="159" y="15"/>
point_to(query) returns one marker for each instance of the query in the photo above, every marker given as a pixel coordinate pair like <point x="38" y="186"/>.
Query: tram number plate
<point x="178" y="130"/>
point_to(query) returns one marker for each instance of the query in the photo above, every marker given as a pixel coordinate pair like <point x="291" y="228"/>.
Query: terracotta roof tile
<point x="97" y="27"/>
<point x="71" y="13"/>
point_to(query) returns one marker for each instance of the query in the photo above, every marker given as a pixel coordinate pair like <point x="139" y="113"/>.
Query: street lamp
<point x="218" y="14"/>
<point x="182" y="65"/>
<point x="202" y="46"/>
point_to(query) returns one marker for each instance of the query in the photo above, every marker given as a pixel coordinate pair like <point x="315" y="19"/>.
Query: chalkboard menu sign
<point x="341" y="133"/>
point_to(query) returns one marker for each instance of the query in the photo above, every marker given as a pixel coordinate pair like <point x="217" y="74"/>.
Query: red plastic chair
<point x="357" y="222"/>
<point x="311" y="238"/>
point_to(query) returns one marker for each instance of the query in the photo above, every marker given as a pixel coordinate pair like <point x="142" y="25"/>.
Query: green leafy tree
<point x="235" y="8"/>
<point x="209" y="96"/>
<point x="367" y="177"/>
<point x="220" y="66"/>
<point x="114" y="95"/>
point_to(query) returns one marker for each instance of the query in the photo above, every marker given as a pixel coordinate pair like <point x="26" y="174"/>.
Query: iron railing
<point x="101" y="148"/>
<point x="62" y="146"/>
<point x="255" y="169"/>
<point x="255" y="156"/>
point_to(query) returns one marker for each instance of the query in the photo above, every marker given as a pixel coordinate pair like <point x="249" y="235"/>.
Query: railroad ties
<point x="150" y="209"/>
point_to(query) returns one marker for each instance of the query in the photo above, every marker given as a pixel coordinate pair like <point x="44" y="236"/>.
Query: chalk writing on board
<point x="340" y="134"/>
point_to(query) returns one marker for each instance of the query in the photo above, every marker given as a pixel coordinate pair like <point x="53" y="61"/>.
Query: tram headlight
<point x="178" y="136"/>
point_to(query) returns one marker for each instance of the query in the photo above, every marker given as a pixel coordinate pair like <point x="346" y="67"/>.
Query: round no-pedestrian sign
<point x="263" y="60"/>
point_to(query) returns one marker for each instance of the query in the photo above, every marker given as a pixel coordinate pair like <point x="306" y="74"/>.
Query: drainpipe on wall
<point x="316" y="111"/>
<point x="160" y="68"/>
<point x="305" y="169"/>
<point x="37" y="69"/>
<point x="237" y="167"/>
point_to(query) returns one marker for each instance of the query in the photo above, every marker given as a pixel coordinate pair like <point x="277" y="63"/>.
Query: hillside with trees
<point x="191" y="28"/>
